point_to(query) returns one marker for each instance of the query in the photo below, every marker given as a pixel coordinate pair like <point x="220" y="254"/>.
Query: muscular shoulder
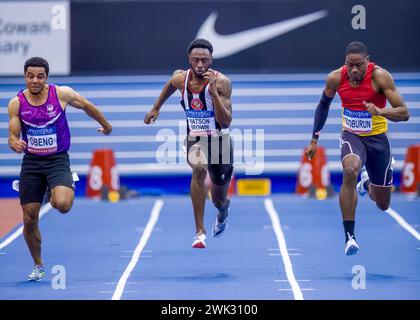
<point x="178" y="78"/>
<point x="13" y="106"/>
<point x="65" y="93"/>
<point x="221" y="78"/>
<point x="333" y="79"/>
<point x="382" y="78"/>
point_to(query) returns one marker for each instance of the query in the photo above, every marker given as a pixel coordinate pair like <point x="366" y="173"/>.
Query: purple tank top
<point x="44" y="128"/>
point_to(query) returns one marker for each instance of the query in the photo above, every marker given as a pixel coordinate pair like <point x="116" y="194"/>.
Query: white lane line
<point x="128" y="282"/>
<point x="403" y="223"/>
<point x="137" y="252"/>
<point x="303" y="289"/>
<point x="304" y="280"/>
<point x="283" y="248"/>
<point x="142" y="256"/>
<point x="44" y="209"/>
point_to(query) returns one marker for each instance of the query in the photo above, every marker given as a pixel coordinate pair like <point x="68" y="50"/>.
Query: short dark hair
<point x="356" y="47"/>
<point x="37" y="62"/>
<point x="200" y="43"/>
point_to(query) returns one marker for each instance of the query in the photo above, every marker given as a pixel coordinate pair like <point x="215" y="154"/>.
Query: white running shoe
<point x="37" y="273"/>
<point x="351" y="246"/>
<point x="199" y="241"/>
<point x="218" y="226"/>
<point x="361" y="184"/>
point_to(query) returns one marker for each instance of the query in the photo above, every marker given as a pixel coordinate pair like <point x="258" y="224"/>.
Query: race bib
<point x="42" y="140"/>
<point x="201" y="122"/>
<point x="357" y="121"/>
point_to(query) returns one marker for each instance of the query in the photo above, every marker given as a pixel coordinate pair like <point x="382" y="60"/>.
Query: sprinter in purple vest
<point x="38" y="127"/>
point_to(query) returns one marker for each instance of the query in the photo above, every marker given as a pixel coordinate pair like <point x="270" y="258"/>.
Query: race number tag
<point x="42" y="140"/>
<point x="201" y="122"/>
<point x="357" y="121"/>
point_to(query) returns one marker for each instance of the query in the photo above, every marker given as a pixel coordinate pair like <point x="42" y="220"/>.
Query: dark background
<point x="151" y="37"/>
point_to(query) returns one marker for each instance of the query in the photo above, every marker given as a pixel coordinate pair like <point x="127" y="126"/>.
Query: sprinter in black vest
<point x="206" y="101"/>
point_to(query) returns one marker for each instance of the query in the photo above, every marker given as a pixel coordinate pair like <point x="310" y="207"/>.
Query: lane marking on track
<point x="154" y="216"/>
<point x="403" y="223"/>
<point x="285" y="280"/>
<point x="44" y="209"/>
<point x="303" y="289"/>
<point x="297" y="292"/>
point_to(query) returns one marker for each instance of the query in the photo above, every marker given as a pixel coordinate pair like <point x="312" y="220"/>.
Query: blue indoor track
<point x="96" y="241"/>
<point x="282" y="247"/>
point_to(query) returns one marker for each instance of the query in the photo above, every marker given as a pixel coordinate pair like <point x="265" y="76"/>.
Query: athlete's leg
<point x="353" y="156"/>
<point x="31" y="231"/>
<point x="198" y="196"/>
<point x="60" y="182"/>
<point x="220" y="174"/>
<point x="381" y="195"/>
<point x="220" y="170"/>
<point x="32" y="186"/>
<point x="197" y="159"/>
<point x="219" y="196"/>
<point x="379" y="166"/>
<point x="348" y="197"/>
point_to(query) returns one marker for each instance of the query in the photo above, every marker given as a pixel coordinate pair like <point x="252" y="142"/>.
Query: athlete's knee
<point x="62" y="201"/>
<point x="63" y="205"/>
<point x="383" y="205"/>
<point x="350" y="175"/>
<point x="199" y="172"/>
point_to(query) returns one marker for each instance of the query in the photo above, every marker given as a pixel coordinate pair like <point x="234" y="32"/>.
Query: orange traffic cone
<point x="313" y="172"/>
<point x="410" y="175"/>
<point x="102" y="174"/>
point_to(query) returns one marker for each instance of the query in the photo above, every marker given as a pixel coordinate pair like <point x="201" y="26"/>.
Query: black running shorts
<point x="218" y="151"/>
<point x="373" y="151"/>
<point x="39" y="172"/>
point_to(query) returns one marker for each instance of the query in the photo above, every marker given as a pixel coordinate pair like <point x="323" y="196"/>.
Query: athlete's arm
<point x="220" y="88"/>
<point x="385" y="82"/>
<point x="15" y="143"/>
<point x="321" y="112"/>
<point x="71" y="97"/>
<point x="174" y="83"/>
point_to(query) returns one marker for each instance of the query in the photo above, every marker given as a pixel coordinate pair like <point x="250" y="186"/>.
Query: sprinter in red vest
<point x="363" y="88"/>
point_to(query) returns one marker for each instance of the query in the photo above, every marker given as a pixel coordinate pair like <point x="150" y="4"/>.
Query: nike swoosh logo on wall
<point x="226" y="45"/>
